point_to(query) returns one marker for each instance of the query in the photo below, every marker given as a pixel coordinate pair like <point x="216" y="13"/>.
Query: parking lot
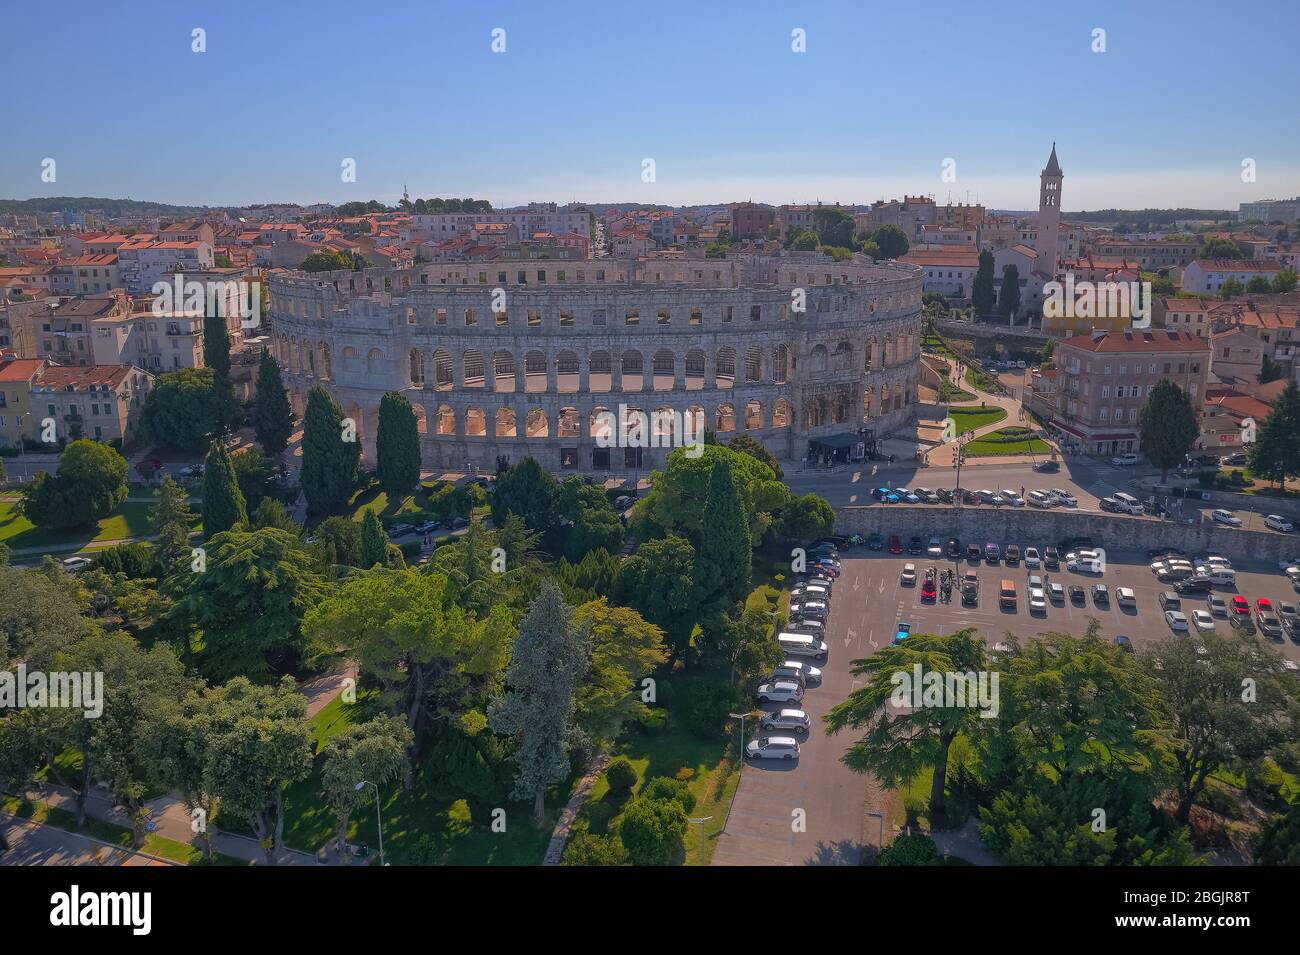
<point x="867" y="604"/>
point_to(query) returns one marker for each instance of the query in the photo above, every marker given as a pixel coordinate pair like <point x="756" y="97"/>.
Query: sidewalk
<point x="32" y="843"/>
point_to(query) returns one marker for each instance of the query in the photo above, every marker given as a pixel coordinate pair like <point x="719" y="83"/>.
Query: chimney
<point x="1098" y="334"/>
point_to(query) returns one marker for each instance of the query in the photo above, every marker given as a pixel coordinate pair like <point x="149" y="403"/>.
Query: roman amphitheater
<point x="530" y="358"/>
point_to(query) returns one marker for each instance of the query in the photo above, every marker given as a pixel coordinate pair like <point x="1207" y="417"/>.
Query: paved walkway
<point x="569" y="814"/>
<point x="32" y="843"/>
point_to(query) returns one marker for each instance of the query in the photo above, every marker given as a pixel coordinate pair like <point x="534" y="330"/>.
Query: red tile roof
<point x="1139" y="341"/>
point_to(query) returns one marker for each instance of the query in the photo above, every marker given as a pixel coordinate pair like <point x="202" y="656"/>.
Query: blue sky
<point x="709" y="89"/>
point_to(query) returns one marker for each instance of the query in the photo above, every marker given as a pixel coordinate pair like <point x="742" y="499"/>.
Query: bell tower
<point x="1049" y="216"/>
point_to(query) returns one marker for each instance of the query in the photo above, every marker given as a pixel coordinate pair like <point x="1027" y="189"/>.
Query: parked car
<point x="895" y="544"/>
<point x="1125" y="597"/>
<point x="1124" y="460"/>
<point x="1064" y="498"/>
<point x="908" y="577"/>
<point x="1279" y="523"/>
<point x="772" y="747"/>
<point x="1169" y="600"/>
<point x="1031" y="557"/>
<point x="1124" y="643"/>
<point x="1222" y="516"/>
<point x="75" y="564"/>
<point x="1085" y="565"/>
<point x="992" y="553"/>
<point x="970" y="589"/>
<point x="1100" y="595"/>
<point x="925" y="495"/>
<point x="944" y="495"/>
<point x="1218" y="606"/>
<point x="904" y="631"/>
<point x="885" y="495"/>
<point x="1108" y="504"/>
<point x="1077" y="595"/>
<point x="954" y="548"/>
<point x="1056" y="593"/>
<point x="1037" y="600"/>
<point x="916" y="546"/>
<point x="794" y="721"/>
<point x="1240" y="606"/>
<point x="1243" y="622"/>
<point x="1047" y="467"/>
<point x="875" y="542"/>
<point x="935" y="549"/>
<point x="1270" y="623"/>
<point x="1176" y="620"/>
<point x="780" y="691"/>
<point x="1203" y="620"/>
<point x="1011" y="497"/>
<point x="1051" y="559"/>
<point x="1012" y="555"/>
<point x="1290" y="616"/>
<point x="928" y="589"/>
<point x="973" y="552"/>
<point x="797" y="671"/>
<point x="1194" y="585"/>
<point x="400" y="530"/>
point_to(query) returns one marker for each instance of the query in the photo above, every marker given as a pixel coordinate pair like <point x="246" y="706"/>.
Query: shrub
<point x="707" y="706"/>
<point x="672" y="790"/>
<point x="914" y="849"/>
<point x="587" y="850"/>
<point x="652" y="831"/>
<point x="620" y="774"/>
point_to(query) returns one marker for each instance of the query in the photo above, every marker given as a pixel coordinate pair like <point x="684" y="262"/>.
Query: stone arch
<point x="506" y="426"/>
<point x="421" y="418"/>
<point x="694" y="421"/>
<point x="872" y="354"/>
<point x="725" y="418"/>
<point x="815" y="413"/>
<point x="724" y="372"/>
<point x="503" y="371"/>
<point x="444" y="420"/>
<point x="600" y="376"/>
<point x="695" y="362"/>
<point x="417" y="367"/>
<point x="754" y="363"/>
<point x="471" y="369"/>
<point x="358" y="419"/>
<point x="840" y="407"/>
<point x="635" y="427"/>
<point x="534" y="372"/>
<point x="866" y="404"/>
<point x="753" y="414"/>
<point x="663" y="370"/>
<point x="351" y="361"/>
<point x="374" y="362"/>
<point x="632" y="371"/>
<point x="818" y="360"/>
<point x="568" y="424"/>
<point x="781" y="413"/>
<point x="663" y="427"/>
<point x="842" y="359"/>
<point x="601" y="424"/>
<point x="536" y="424"/>
<point x="567" y="370"/>
<point x="444" y="375"/>
<point x="475" y="423"/>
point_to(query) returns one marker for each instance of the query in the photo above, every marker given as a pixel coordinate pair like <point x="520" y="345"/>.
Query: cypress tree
<point x="329" y="464"/>
<point x="216" y="355"/>
<point x="223" y="502"/>
<point x="722" y="554"/>
<point x="981" y="293"/>
<point x="271" y="415"/>
<point x="397" y="445"/>
<point x="374" y="545"/>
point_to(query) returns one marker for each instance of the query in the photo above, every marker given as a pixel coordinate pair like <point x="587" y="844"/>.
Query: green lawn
<point x="708" y="766"/>
<point x="1007" y="441"/>
<point x="131" y="519"/>
<point x="977" y="416"/>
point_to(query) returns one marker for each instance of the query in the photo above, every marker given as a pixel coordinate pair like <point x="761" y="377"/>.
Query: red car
<point x="1240" y="605"/>
<point x="928" y="588"/>
<point x="1263" y="605"/>
<point x="895" y="544"/>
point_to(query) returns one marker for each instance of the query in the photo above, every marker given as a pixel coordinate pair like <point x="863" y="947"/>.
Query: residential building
<point x="749" y="220"/>
<point x="17" y="375"/>
<point x="1209" y="275"/>
<point x="102" y="402"/>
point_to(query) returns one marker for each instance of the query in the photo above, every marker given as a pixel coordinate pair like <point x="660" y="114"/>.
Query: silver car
<point x="780" y="691"/>
<point x="793" y="670"/>
<point x="772" y="747"/>
<point x="795" y="721"/>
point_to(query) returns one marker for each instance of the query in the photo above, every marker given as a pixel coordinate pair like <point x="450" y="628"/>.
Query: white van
<point x="1038" y="499"/>
<point x="802" y="645"/>
<point x="1128" y="503"/>
<point x="1219" y="576"/>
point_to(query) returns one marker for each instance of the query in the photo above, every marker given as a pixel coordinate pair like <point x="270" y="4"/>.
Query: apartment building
<point x="144" y="261"/>
<point x="910" y="214"/>
<point x="1209" y="275"/>
<point x="17" y="376"/>
<point x="750" y="220"/>
<point x="949" y="272"/>
<point x="1104" y="379"/>
<point x="102" y="402"/>
<point x="446" y="225"/>
<point x="1151" y="255"/>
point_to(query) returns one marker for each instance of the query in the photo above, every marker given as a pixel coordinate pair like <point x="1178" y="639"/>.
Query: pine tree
<point x="722" y="554"/>
<point x="216" y="355"/>
<point x="397" y="445"/>
<point x="329" y="463"/>
<point x="981" y="293"/>
<point x="374" y="545"/>
<point x="171" y="519"/>
<point x="1168" y="426"/>
<point x="223" y="502"/>
<point x="550" y="656"/>
<point x="271" y="415"/>
<point x="1009" y="302"/>
<point x="1276" y="451"/>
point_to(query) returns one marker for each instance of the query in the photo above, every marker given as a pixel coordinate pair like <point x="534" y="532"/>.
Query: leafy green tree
<point x="1259" y="284"/>
<point x="913" y="848"/>
<point x="675" y="504"/>
<point x="373" y="544"/>
<point x="1231" y="288"/>
<point x="272" y="416"/>
<point x="171" y="519"/>
<point x="331" y="260"/>
<point x="585" y="849"/>
<point x="183" y="410"/>
<point x="899" y="745"/>
<point x="891" y="241"/>
<point x="329" y="462"/>
<point x="528" y="490"/>
<point x="223" y="502"/>
<point x="397" y="445"/>
<point x="551" y="655"/>
<point x="658" y="580"/>
<point x="745" y="641"/>
<point x="1234" y="701"/>
<point x="257" y="745"/>
<point x="1009" y="301"/>
<point x="374" y="751"/>
<point x="805" y="519"/>
<point x="755" y="449"/>
<point x="653" y="831"/>
<point x="272" y="513"/>
<point x="90" y="484"/>
<point x="245" y="609"/>
<point x="1276" y="452"/>
<point x="1269" y="370"/>
<point x="1220" y="248"/>
<point x="586" y="521"/>
<point x="982" y="295"/>
<point x="834" y="227"/>
<point x="37" y="618"/>
<point x="1278" y="842"/>
<point x="1284" y="281"/>
<point x="1168" y="425"/>
<point x="722" y="555"/>
<point x="625" y="650"/>
<point x="805" y="241"/>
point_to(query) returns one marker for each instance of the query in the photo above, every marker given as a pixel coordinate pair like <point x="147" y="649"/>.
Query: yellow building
<point x="17" y="377"/>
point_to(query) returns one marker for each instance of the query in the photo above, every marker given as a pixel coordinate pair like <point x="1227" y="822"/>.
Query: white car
<point x="1279" y="523"/>
<point x="1056" y="592"/>
<point x="1011" y="497"/>
<point x="1177" y="620"/>
<point x="908" y="576"/>
<point x="773" y="747"/>
<point x="1125" y="597"/>
<point x="1202" y="620"/>
<point x="1124" y="460"/>
<point x="935" y="549"/>
<point x="74" y="564"/>
<point x="1085" y="566"/>
<point x="1037" y="600"/>
<point x="796" y="670"/>
<point x="1225" y="517"/>
<point x="792" y="720"/>
<point x="1214" y="560"/>
<point x="1064" y="498"/>
<point x="780" y="691"/>
<point x="1218" y="606"/>
<point x="1031" y="557"/>
<point x="1083" y="555"/>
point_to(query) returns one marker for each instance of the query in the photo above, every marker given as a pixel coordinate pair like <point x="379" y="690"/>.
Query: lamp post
<point x="881" y="817"/>
<point x="378" y="819"/>
<point x="701" y="821"/>
<point x="741" y="717"/>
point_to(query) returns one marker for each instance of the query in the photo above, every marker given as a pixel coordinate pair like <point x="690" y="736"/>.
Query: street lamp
<point x="741" y="717"/>
<point x="701" y="821"/>
<point x="360" y="786"/>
